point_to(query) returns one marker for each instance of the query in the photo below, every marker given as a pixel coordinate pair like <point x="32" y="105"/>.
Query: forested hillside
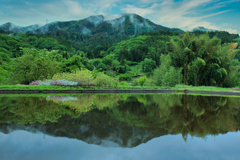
<point x="166" y="57"/>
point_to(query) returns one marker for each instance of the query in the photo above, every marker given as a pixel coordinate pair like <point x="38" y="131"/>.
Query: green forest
<point x="159" y="58"/>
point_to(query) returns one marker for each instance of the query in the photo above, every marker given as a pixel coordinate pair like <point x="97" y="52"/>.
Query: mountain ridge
<point x="128" y="24"/>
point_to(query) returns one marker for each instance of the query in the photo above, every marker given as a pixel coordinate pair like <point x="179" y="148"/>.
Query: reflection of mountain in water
<point x="123" y="120"/>
<point x="95" y="127"/>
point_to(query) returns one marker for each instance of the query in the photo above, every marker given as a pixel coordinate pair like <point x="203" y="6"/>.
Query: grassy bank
<point x="127" y="87"/>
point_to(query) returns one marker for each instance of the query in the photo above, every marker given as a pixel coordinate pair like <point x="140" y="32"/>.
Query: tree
<point x="148" y="65"/>
<point x="204" y="60"/>
<point x="107" y="60"/>
<point x="89" y="54"/>
<point x="101" y="66"/>
<point x="35" y="65"/>
<point x="167" y="75"/>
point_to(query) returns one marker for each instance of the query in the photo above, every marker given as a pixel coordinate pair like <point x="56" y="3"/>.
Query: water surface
<point x="119" y="126"/>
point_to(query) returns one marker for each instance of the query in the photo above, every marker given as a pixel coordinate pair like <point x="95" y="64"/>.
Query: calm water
<point x="119" y="126"/>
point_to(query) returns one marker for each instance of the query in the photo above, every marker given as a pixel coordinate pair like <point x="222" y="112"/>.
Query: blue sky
<point x="184" y="14"/>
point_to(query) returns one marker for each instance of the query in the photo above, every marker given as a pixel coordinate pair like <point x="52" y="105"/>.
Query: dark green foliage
<point x="223" y="35"/>
<point x="4" y="57"/>
<point x="204" y="60"/>
<point x="125" y="77"/>
<point x="71" y="64"/>
<point x="89" y="54"/>
<point x="101" y="66"/>
<point x="148" y="65"/>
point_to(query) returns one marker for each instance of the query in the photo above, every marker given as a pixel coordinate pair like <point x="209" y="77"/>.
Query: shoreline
<point x="119" y="91"/>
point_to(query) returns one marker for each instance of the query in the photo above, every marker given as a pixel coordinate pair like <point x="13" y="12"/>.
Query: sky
<point x="183" y="14"/>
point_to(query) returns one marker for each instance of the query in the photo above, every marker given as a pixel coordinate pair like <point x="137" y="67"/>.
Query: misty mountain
<point x="127" y="24"/>
<point x="13" y="28"/>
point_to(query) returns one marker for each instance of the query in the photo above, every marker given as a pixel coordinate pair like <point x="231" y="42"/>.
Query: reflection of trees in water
<point x="201" y="115"/>
<point x="85" y="103"/>
<point x="185" y="114"/>
<point x="5" y="104"/>
<point x="29" y="110"/>
<point x="173" y="113"/>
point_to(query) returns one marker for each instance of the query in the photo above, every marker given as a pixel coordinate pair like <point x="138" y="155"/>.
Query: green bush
<point x="142" y="80"/>
<point x="104" y="80"/>
<point x="35" y="65"/>
<point x="125" y="77"/>
<point x="167" y="75"/>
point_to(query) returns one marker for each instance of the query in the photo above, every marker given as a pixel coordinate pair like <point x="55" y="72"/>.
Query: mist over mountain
<point x="203" y="29"/>
<point x="127" y="24"/>
<point x="14" y="28"/>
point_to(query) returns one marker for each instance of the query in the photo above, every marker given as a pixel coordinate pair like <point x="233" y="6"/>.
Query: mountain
<point x="203" y="29"/>
<point x="13" y="28"/>
<point x="127" y="24"/>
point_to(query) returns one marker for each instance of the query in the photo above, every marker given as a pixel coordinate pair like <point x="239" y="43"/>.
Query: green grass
<point x="203" y="88"/>
<point x="123" y="87"/>
<point x="39" y="88"/>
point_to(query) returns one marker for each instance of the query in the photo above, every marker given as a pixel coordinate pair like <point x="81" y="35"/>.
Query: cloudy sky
<point x="184" y="14"/>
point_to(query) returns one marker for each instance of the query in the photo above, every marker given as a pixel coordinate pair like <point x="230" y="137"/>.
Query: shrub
<point x="142" y="80"/>
<point x="35" y="82"/>
<point x="83" y="78"/>
<point x="126" y="77"/>
<point x="104" y="80"/>
<point x="62" y="82"/>
<point x="35" y="65"/>
<point x="167" y="75"/>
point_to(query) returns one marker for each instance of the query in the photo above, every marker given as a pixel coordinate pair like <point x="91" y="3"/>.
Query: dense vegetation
<point x="167" y="58"/>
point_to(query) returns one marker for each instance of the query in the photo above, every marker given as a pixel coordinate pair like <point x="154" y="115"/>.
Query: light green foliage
<point x="123" y="84"/>
<point x="95" y="62"/>
<point x="83" y="77"/>
<point x="115" y="63"/>
<point x="104" y="80"/>
<point x="167" y="75"/>
<point x="142" y="80"/>
<point x="108" y="60"/>
<point x="35" y="65"/>
<point x="4" y="76"/>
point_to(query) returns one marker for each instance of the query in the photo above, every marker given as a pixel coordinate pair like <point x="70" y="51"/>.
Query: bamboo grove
<point x="204" y="61"/>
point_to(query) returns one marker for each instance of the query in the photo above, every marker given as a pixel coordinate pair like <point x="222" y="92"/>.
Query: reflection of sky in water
<point x="22" y="145"/>
<point x="62" y="98"/>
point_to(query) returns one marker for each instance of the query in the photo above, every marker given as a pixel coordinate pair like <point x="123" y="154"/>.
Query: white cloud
<point x="184" y="15"/>
<point x="140" y="11"/>
<point x="76" y="10"/>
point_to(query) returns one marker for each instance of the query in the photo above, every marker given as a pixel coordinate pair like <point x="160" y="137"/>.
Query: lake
<point x="170" y="126"/>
